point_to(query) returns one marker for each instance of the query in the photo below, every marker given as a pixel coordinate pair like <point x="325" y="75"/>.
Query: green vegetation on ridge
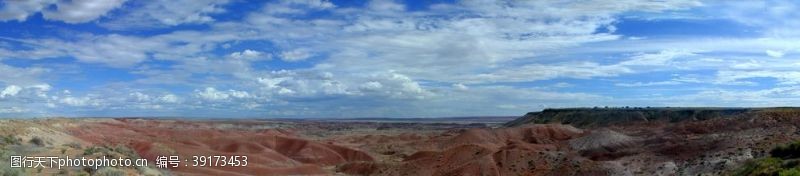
<point x="592" y="117"/>
<point x="784" y="160"/>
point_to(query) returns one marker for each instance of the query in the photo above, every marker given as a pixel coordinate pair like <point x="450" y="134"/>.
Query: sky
<point x="384" y="58"/>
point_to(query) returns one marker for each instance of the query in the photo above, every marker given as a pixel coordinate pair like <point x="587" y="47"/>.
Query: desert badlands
<point x="665" y="141"/>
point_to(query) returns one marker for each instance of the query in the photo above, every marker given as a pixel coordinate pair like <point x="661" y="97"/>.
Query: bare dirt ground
<point x="273" y="147"/>
<point x="287" y="147"/>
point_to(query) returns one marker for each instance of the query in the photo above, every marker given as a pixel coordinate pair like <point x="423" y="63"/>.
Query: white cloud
<point x="563" y="85"/>
<point x="295" y="55"/>
<point x="432" y="53"/>
<point x="33" y="91"/>
<point x="114" y="50"/>
<point x="452" y="49"/>
<point x="138" y="96"/>
<point x="162" y="13"/>
<point x="748" y="64"/>
<point x="776" y="96"/>
<point x="40" y="90"/>
<point x="12" y="110"/>
<point x="169" y="98"/>
<point x="774" y="53"/>
<point x="10" y="90"/>
<point x="641" y="84"/>
<point x="372" y="86"/>
<point x="459" y="86"/>
<point x="295" y="7"/>
<point x="42" y="87"/>
<point x="80" y="11"/>
<point x="76" y="11"/>
<point x="769" y="15"/>
<point x="738" y="76"/>
<point x="385" y="5"/>
<point x="20" y="10"/>
<point x="400" y="86"/>
<point x="123" y="50"/>
<point x="80" y="101"/>
<point x="212" y="94"/>
<point x="249" y="55"/>
<point x="21" y="76"/>
<point x="316" y="4"/>
<point x="239" y="94"/>
<point x="662" y="58"/>
<point x="534" y="72"/>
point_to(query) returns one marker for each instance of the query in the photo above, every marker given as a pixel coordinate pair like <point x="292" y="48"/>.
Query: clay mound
<point x="350" y="155"/>
<point x="603" y="138"/>
<point x="237" y="147"/>
<point x="496" y="138"/>
<point x="421" y="155"/>
<point x="359" y="168"/>
<point x="317" y="153"/>
<point x="270" y="152"/>
<point x="527" y="150"/>
<point x="476" y="137"/>
<point x="461" y="160"/>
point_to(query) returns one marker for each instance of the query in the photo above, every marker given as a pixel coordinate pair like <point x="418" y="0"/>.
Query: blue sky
<point x="383" y="58"/>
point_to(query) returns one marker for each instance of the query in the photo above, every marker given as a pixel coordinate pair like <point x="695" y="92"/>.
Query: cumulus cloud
<point x="397" y="85"/>
<point x="310" y="84"/>
<point x="169" y="98"/>
<point x="212" y="94"/>
<point x="138" y="96"/>
<point x="459" y="86"/>
<point x="11" y="90"/>
<point x="249" y="55"/>
<point x="371" y="86"/>
<point x="80" y="101"/>
<point x="27" y="92"/>
<point x="295" y="55"/>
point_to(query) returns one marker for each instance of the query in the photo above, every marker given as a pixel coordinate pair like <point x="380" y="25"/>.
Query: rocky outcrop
<point x="599" y="117"/>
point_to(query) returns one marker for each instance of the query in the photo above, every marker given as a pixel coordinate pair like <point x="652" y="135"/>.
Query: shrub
<point x="109" y="171"/>
<point x="74" y="145"/>
<point x="37" y="141"/>
<point x="783" y="160"/>
<point x="790" y="172"/>
<point x="90" y="150"/>
<point x="764" y="166"/>
<point x="10" y="140"/>
<point x="7" y="171"/>
<point x="63" y="172"/>
<point x="791" y="150"/>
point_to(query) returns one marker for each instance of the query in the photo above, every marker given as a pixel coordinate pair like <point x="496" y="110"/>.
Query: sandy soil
<point x="275" y="147"/>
